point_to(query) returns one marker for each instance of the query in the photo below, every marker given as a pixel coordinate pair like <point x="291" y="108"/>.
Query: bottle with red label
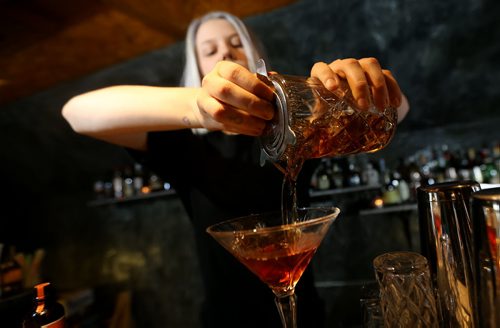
<point x="46" y="311"/>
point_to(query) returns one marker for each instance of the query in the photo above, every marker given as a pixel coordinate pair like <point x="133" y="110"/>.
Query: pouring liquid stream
<point x="289" y="210"/>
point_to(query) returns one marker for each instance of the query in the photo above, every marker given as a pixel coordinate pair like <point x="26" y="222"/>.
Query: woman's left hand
<point x="235" y="100"/>
<point x="363" y="75"/>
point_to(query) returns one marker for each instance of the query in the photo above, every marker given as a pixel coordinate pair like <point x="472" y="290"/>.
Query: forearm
<point x="120" y="113"/>
<point x="403" y="109"/>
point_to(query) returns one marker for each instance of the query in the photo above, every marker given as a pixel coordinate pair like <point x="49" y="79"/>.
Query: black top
<point x="218" y="177"/>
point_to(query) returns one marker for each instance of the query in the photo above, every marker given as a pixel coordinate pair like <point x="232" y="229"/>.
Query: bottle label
<point x="59" y="323"/>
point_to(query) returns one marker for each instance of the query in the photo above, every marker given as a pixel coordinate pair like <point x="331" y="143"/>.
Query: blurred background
<point x="131" y="250"/>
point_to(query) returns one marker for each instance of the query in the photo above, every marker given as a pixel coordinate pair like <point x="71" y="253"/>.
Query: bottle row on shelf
<point x="128" y="182"/>
<point x="399" y="181"/>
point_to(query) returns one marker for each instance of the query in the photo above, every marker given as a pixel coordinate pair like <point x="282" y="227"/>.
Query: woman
<point x="217" y="174"/>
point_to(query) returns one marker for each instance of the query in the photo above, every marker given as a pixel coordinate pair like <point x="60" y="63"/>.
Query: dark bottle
<point x="353" y="177"/>
<point x="128" y="182"/>
<point x="46" y="311"/>
<point x="337" y="176"/>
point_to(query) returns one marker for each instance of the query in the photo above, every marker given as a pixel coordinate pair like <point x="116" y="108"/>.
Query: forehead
<point x="214" y="29"/>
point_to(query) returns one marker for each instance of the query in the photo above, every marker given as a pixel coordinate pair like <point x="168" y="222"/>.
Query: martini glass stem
<point x="287" y="307"/>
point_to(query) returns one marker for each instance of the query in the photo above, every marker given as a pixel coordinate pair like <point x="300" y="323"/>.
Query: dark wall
<point x="443" y="53"/>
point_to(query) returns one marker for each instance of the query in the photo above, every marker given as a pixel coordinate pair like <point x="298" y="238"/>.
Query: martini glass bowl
<point x="277" y="253"/>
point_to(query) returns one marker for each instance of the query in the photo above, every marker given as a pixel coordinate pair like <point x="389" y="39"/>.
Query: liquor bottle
<point x="464" y="172"/>
<point x="390" y="194"/>
<point x="441" y="163"/>
<point x="117" y="184"/>
<point x="370" y="175"/>
<point x="138" y="179"/>
<point x="414" y="177"/>
<point x="489" y="171"/>
<point x="353" y="174"/>
<point x="402" y="187"/>
<point x="323" y="175"/>
<point x="155" y="182"/>
<point x="99" y="189"/>
<point x="128" y="182"/>
<point x="46" y="311"/>
<point x="337" y="176"/>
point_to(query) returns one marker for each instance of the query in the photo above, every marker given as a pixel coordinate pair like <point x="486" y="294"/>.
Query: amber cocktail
<point x="278" y="254"/>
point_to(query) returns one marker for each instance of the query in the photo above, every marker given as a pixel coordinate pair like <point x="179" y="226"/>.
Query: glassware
<point x="406" y="294"/>
<point x="278" y="254"/>
<point x="313" y="122"/>
<point x="370" y="304"/>
<point x="446" y="240"/>
<point x="486" y="222"/>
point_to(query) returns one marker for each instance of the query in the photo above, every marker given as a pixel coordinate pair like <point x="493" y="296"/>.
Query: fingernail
<point x="362" y="103"/>
<point x="331" y="84"/>
<point x="270" y="115"/>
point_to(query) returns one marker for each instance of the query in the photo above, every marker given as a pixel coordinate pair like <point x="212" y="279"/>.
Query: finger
<point x="239" y="75"/>
<point x="229" y="93"/>
<point x="204" y="104"/>
<point x="225" y="117"/>
<point x="394" y="91"/>
<point x="355" y="75"/>
<point x="376" y="81"/>
<point x="325" y="74"/>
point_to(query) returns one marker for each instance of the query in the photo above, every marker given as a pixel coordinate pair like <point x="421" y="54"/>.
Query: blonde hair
<point x="191" y="76"/>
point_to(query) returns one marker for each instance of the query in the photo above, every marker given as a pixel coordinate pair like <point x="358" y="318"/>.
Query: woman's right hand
<point x="233" y="99"/>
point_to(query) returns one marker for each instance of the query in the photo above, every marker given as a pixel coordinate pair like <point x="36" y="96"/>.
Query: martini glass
<point x="277" y="253"/>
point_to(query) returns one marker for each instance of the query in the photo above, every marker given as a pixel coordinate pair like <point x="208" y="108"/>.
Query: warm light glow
<point x="145" y="190"/>
<point x="378" y="202"/>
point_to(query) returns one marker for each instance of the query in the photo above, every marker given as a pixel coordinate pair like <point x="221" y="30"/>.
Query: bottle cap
<point x="43" y="290"/>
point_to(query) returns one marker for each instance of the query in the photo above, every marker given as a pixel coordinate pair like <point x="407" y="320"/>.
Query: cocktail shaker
<point x="486" y="222"/>
<point x="447" y="242"/>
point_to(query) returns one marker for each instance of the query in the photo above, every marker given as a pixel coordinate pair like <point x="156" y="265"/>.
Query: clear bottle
<point x="117" y="184"/>
<point x="337" y="176"/>
<point x="46" y="311"/>
<point x="370" y="175"/>
<point x="324" y="175"/>
<point x="390" y="194"/>
<point x="402" y="187"/>
<point x="353" y="174"/>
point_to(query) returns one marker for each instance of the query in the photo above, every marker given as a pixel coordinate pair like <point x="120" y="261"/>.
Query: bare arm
<point x="231" y="99"/>
<point x="124" y="114"/>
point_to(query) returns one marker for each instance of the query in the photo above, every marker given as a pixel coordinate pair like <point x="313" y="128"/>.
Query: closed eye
<point x="208" y="50"/>
<point x="235" y="41"/>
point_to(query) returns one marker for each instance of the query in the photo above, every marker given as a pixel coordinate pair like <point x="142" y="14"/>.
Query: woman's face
<point x="217" y="40"/>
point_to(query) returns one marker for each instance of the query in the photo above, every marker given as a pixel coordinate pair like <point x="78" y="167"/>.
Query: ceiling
<point x="45" y="42"/>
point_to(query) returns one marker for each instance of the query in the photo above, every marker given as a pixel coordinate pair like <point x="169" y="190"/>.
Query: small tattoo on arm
<point x="186" y="121"/>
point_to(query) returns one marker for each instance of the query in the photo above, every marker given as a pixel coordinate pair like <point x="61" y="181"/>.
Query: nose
<point x="227" y="51"/>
